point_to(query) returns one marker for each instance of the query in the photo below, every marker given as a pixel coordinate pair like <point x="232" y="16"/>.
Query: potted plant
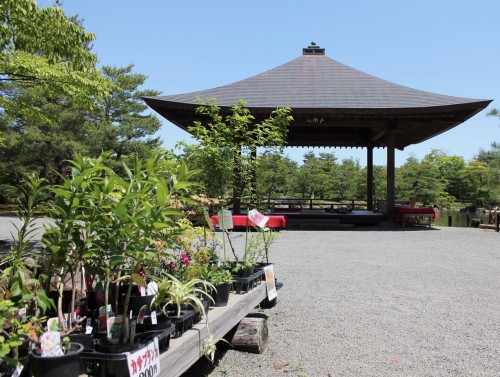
<point x="23" y="300"/>
<point x="222" y="280"/>
<point x="173" y="294"/>
<point x="65" y="364"/>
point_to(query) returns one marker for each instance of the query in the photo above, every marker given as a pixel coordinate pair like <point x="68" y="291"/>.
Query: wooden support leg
<point x="251" y="335"/>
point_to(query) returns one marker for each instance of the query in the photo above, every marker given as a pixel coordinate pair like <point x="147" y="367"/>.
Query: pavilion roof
<point x="332" y="104"/>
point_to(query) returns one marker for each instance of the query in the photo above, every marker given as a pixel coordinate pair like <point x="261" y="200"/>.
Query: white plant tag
<point x="143" y="291"/>
<point x="18" y="371"/>
<point x="152" y="288"/>
<point x="88" y="330"/>
<point x="154" y="320"/>
<point x="51" y="344"/>
<point x="131" y="314"/>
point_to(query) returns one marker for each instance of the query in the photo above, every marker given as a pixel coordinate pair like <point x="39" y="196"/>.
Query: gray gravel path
<point x="378" y="302"/>
<point x="368" y="302"/>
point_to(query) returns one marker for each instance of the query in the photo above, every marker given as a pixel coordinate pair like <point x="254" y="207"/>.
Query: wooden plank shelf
<point x="188" y="349"/>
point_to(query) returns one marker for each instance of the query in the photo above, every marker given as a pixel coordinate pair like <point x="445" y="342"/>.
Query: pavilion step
<point x="314" y="225"/>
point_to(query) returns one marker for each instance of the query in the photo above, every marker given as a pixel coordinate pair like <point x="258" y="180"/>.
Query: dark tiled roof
<point x="332" y="104"/>
<point x="317" y="81"/>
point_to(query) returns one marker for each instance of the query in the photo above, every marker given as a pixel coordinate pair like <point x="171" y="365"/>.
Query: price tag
<point x="145" y="361"/>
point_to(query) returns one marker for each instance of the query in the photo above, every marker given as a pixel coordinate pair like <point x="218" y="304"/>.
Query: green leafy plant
<point x="22" y="298"/>
<point x="172" y="291"/>
<point x="218" y="276"/>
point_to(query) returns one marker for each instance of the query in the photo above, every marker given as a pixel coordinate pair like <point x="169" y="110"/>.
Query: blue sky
<point x="442" y="46"/>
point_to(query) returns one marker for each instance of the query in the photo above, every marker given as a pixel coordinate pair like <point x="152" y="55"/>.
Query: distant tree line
<point x="435" y="179"/>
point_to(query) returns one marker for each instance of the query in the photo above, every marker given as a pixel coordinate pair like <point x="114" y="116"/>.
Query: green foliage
<point x="418" y="181"/>
<point x="276" y="176"/>
<point x="45" y="51"/>
<point x="236" y="138"/>
<point x="119" y="124"/>
<point x="315" y="175"/>
<point x="218" y="276"/>
<point x="172" y="291"/>
<point x="20" y="289"/>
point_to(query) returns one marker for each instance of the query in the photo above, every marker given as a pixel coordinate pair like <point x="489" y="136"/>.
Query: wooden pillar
<point x="391" y="172"/>
<point x="369" y="178"/>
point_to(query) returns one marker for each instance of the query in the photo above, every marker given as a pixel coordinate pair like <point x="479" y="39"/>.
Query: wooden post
<point x="391" y="173"/>
<point x="369" y="179"/>
<point x="251" y="335"/>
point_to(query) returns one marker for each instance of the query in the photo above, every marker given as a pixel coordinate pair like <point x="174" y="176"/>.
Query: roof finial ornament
<point x="313" y="49"/>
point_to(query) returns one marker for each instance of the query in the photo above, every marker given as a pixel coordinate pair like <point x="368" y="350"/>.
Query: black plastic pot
<point x="182" y="323"/>
<point x="114" y="365"/>
<point x="86" y="340"/>
<point x="67" y="365"/>
<point x="163" y="322"/>
<point x="135" y="304"/>
<point x="221" y="295"/>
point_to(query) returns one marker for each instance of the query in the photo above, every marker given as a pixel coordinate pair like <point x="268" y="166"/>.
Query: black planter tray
<point x="143" y="339"/>
<point x="182" y="323"/>
<point x="246" y="284"/>
<point x="115" y="364"/>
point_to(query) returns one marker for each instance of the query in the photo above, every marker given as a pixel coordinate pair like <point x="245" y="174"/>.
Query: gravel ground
<point x="379" y="302"/>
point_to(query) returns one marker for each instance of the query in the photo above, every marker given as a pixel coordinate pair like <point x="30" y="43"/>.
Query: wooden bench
<point x="187" y="349"/>
<point x="404" y="214"/>
<point x="417" y="217"/>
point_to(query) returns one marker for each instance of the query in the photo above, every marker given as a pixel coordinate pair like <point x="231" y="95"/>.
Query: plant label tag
<point x="142" y="312"/>
<point x="132" y="331"/>
<point x="208" y="220"/>
<point x="154" y="320"/>
<point x="143" y="291"/>
<point x="53" y="324"/>
<point x="18" y="371"/>
<point x="258" y="218"/>
<point x="51" y="344"/>
<point x="114" y="329"/>
<point x="152" y="288"/>
<point x="21" y="314"/>
<point x="130" y="315"/>
<point x="88" y="330"/>
<point x="225" y="219"/>
<point x="270" y="282"/>
<point x="89" y="321"/>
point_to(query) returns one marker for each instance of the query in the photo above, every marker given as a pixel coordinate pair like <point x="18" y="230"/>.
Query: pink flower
<point x="185" y="259"/>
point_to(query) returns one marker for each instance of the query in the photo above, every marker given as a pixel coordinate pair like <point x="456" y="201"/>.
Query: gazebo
<point x="334" y="105"/>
